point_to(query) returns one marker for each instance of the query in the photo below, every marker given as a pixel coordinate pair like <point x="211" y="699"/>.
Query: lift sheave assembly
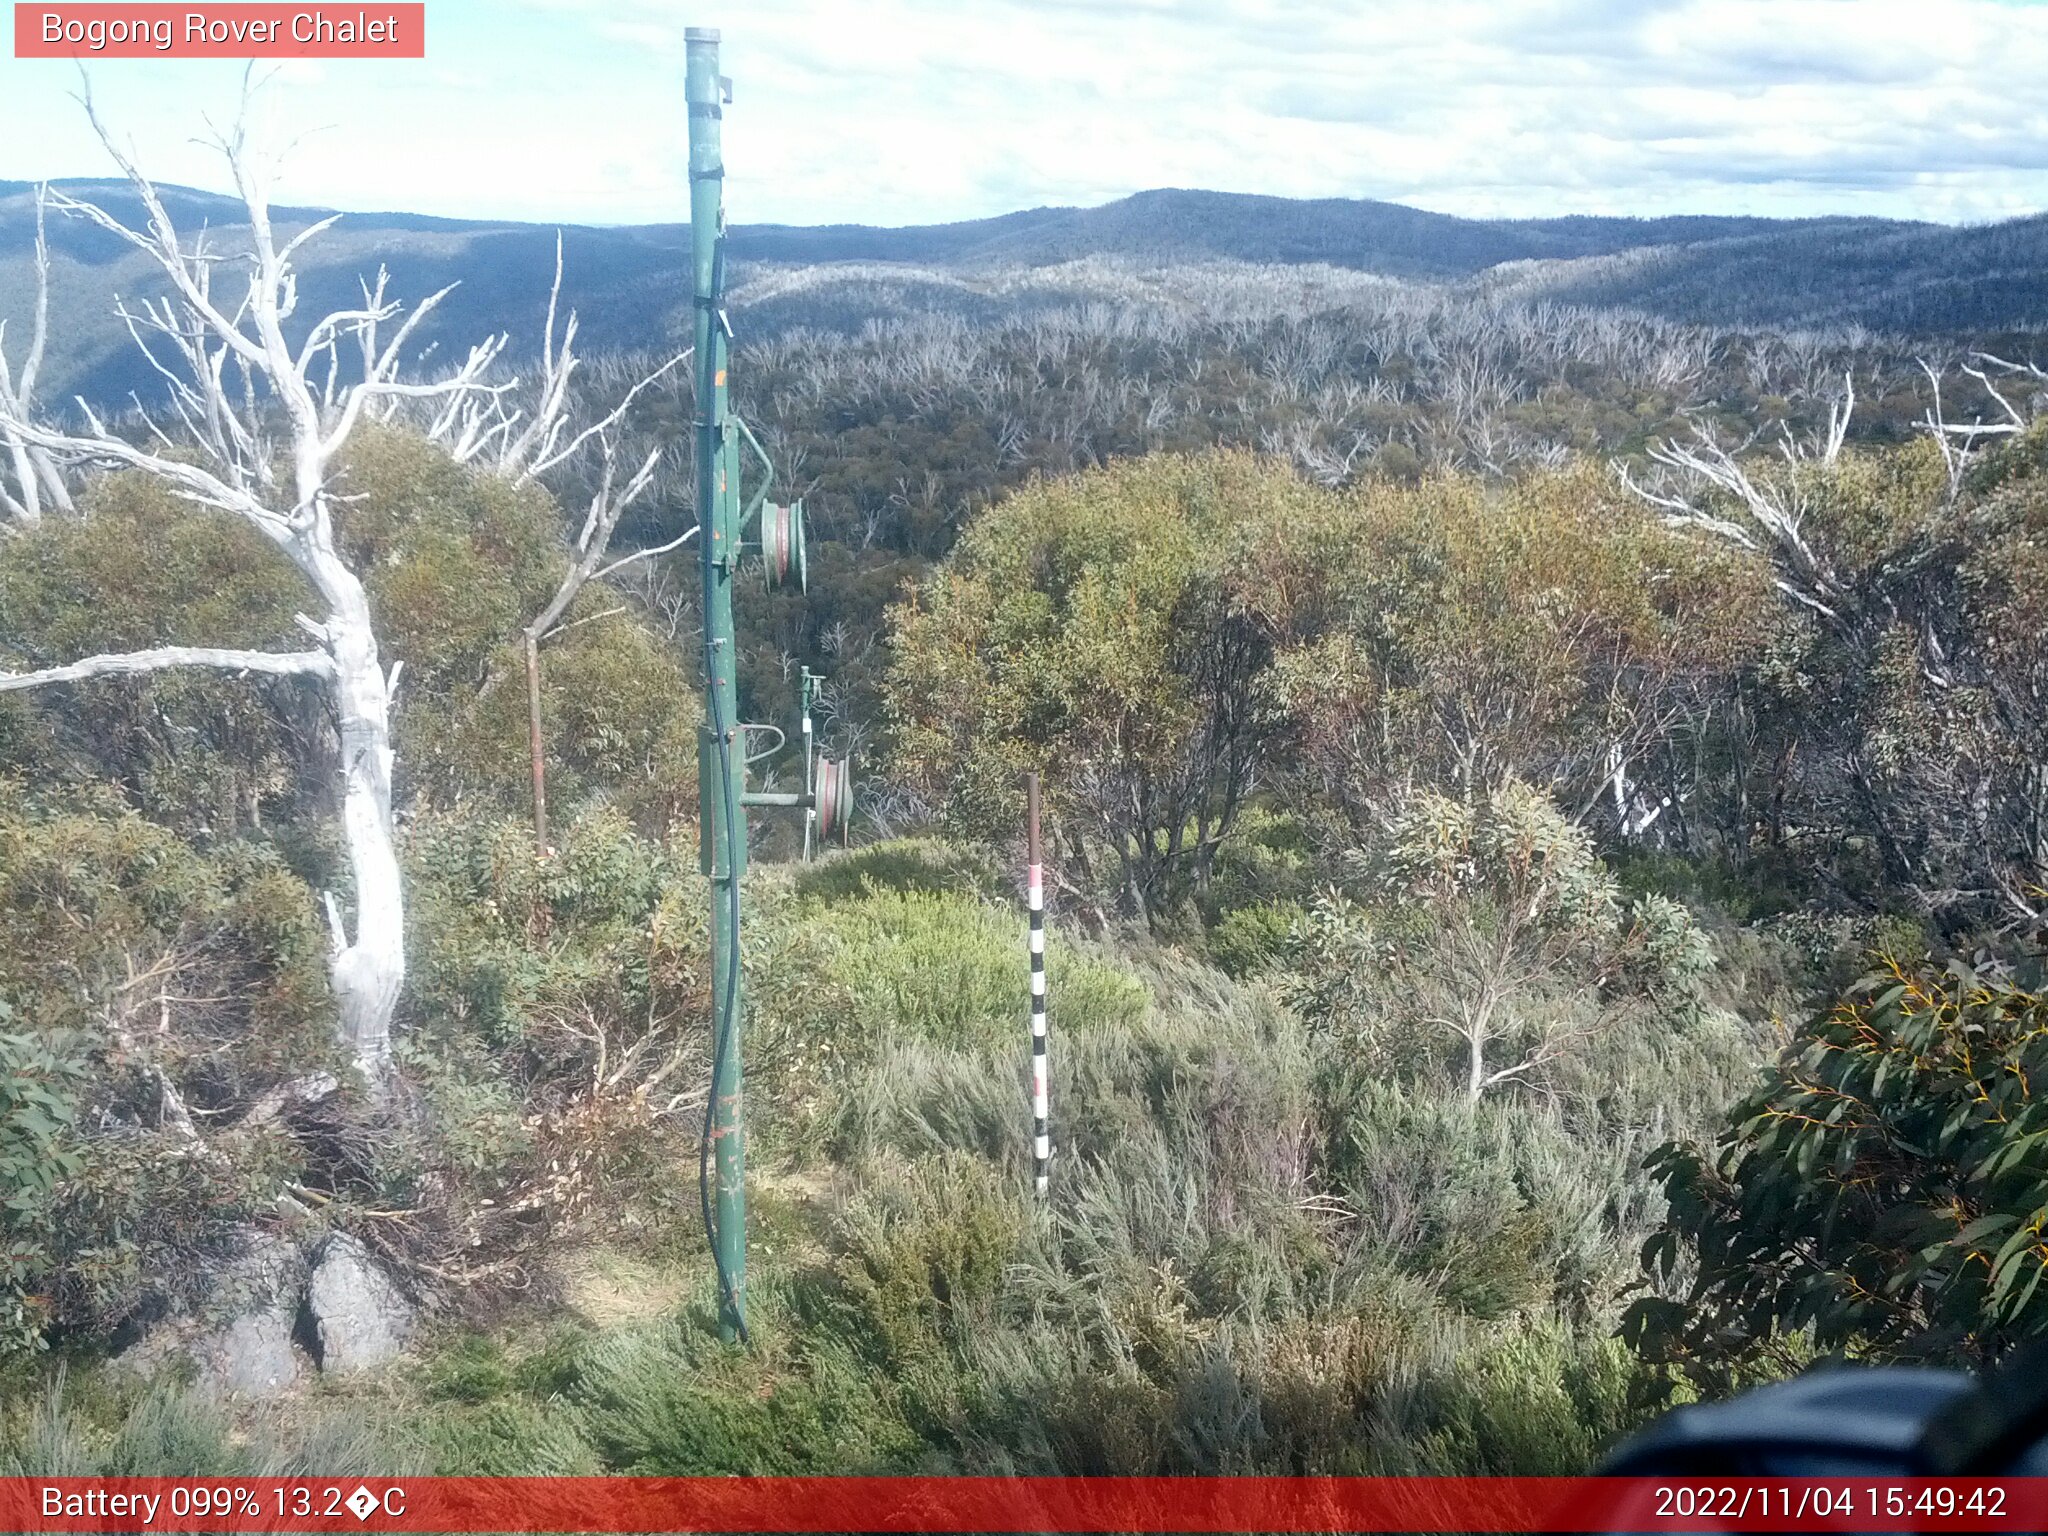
<point x="773" y="532"/>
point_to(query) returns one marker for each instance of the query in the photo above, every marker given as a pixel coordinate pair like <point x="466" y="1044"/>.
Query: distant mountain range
<point x="1181" y="226"/>
<point x="627" y="281"/>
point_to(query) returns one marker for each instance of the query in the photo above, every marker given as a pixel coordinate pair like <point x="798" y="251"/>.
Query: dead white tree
<point x="529" y="444"/>
<point x="29" y="477"/>
<point x="1977" y="802"/>
<point x="1706" y="487"/>
<point x="1772" y="506"/>
<point x="248" y="430"/>
<point x="1771" y="509"/>
<point x="1959" y="440"/>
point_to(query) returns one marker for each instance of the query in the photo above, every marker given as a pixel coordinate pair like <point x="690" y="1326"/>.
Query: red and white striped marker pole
<point x="1041" y="1098"/>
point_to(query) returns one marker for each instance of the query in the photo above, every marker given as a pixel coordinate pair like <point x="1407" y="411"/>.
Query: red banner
<point x="996" y="1504"/>
<point x="215" y="31"/>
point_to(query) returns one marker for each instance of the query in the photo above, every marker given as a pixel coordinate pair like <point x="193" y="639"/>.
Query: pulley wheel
<point x="835" y="798"/>
<point x="782" y="545"/>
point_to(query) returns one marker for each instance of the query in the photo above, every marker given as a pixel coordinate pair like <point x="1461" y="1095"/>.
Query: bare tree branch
<point x="1775" y="505"/>
<point x="534" y="452"/>
<point x="36" y="479"/>
<point x="273" y="663"/>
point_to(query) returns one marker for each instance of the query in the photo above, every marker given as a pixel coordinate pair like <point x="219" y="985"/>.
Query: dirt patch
<point x="606" y="1287"/>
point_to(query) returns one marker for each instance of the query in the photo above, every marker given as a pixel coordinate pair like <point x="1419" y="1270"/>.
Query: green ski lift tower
<point x="774" y="531"/>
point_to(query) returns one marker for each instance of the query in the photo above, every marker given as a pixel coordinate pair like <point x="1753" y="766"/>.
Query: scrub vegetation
<point x="1545" y="914"/>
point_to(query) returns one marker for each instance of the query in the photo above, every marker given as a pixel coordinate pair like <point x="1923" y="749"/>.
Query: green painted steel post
<point x="722" y="753"/>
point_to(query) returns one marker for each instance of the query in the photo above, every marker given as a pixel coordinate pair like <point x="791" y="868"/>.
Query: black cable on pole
<point x="723" y="1026"/>
<point x="721" y="1032"/>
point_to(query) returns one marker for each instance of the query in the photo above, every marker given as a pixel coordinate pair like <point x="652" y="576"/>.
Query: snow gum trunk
<point x="367" y="972"/>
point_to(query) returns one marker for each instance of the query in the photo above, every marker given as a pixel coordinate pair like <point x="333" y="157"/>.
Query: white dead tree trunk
<point x="30" y="480"/>
<point x="489" y="430"/>
<point x="1773" y="509"/>
<point x="1959" y="440"/>
<point x="257" y="437"/>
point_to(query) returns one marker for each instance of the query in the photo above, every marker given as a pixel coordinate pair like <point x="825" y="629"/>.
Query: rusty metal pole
<point x="1041" y="1091"/>
<point x="536" y="745"/>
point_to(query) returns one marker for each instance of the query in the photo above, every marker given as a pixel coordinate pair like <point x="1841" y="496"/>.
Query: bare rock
<point x="244" y="1346"/>
<point x="360" y="1318"/>
<point x="254" y="1355"/>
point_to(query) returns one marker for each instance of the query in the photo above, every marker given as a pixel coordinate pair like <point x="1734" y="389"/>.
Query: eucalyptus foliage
<point x="39" y="1080"/>
<point x="1883" y="1192"/>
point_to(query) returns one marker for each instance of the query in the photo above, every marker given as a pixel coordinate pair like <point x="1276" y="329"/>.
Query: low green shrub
<point x="904" y="864"/>
<point x="671" y="1402"/>
<point x="91" y="1427"/>
<point x="1538" y="1402"/>
<point x="845" y="975"/>
<point x="1441" y="1193"/>
<point x="472" y="1369"/>
<point x="921" y="1257"/>
<point x="1268" y="860"/>
<point x="952" y="970"/>
<point x="507" y="1438"/>
<point x="152" y="981"/>
<point x="1254" y="938"/>
<point x="569" y="969"/>
<point x="40" y="1078"/>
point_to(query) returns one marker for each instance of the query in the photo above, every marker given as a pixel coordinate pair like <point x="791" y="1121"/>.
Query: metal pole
<point x="1034" y="895"/>
<point x="720" y="758"/>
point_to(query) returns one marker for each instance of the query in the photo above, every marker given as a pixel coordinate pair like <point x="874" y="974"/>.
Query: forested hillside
<point x="1507" y="763"/>
<point x="1917" y="281"/>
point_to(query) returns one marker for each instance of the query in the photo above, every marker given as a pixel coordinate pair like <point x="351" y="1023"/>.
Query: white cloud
<point x="897" y="111"/>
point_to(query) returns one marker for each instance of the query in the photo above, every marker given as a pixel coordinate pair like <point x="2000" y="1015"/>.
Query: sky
<point x="923" y="111"/>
